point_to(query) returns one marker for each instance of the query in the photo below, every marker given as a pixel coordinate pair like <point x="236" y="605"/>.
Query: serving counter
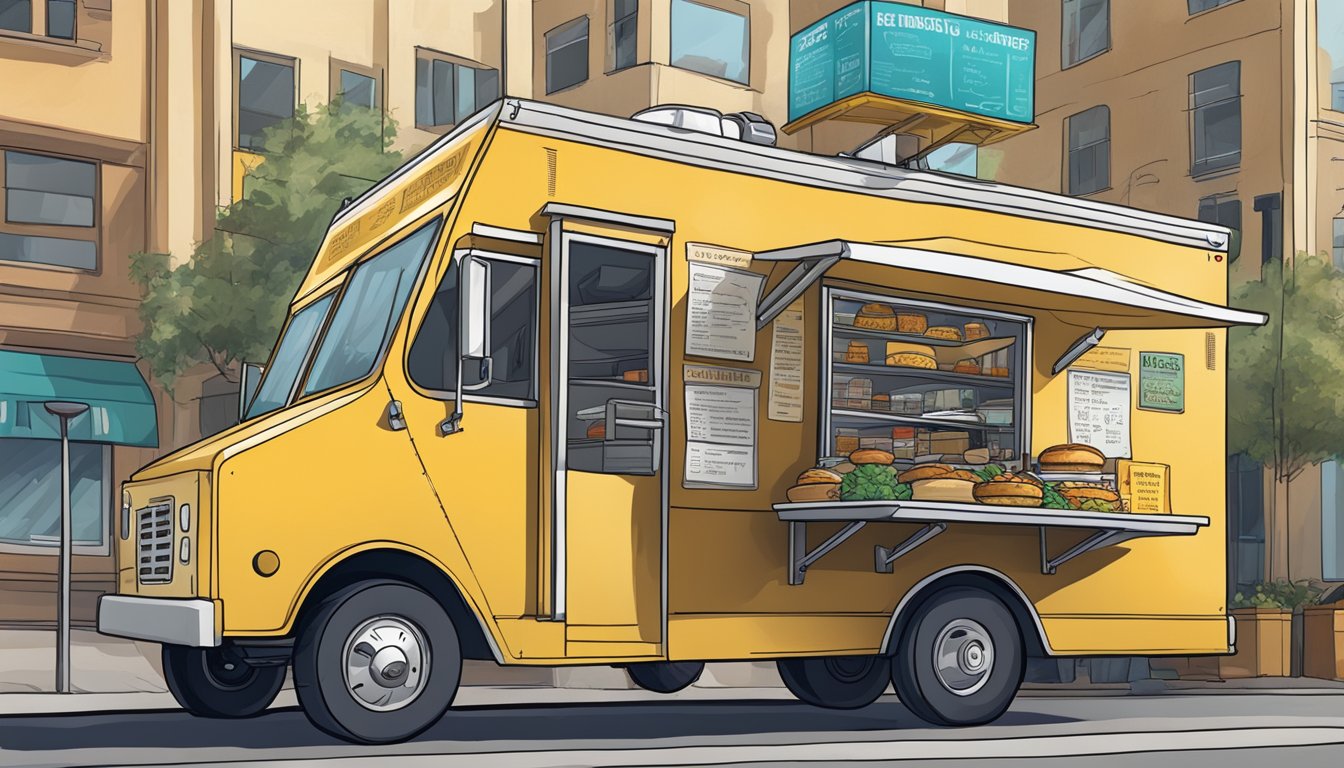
<point x="1108" y="528"/>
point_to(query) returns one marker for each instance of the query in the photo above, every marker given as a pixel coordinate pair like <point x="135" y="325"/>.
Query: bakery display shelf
<point x="934" y="517"/>
<point x="1077" y="477"/>
<point x="840" y="414"/>
<point x="928" y="374"/>
<point x="972" y="348"/>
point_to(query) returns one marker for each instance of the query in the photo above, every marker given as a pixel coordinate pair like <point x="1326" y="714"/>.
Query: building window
<point x="264" y="95"/>
<point x="1245" y="523"/>
<point x="567" y="55"/>
<point x="355" y="86"/>
<point x="622" y="33"/>
<point x="1215" y="113"/>
<point x="1199" y="6"/>
<point x="50" y="210"/>
<point x="1224" y="210"/>
<point x="61" y="19"/>
<point x="448" y="90"/>
<point x="1270" y="208"/>
<point x="1086" y="30"/>
<point x="1337" y="90"/>
<point x="1332" y="520"/>
<point x="1337" y="242"/>
<point x="16" y="15"/>
<point x="1090" y="151"/>
<point x="712" y="39"/>
<point x="30" y="492"/>
<point x="961" y="159"/>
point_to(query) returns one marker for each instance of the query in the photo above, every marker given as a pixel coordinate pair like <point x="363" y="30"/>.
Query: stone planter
<point x="1264" y="644"/>
<point x="1323" y="642"/>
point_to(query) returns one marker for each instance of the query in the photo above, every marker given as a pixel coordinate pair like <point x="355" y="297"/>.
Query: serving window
<point x="924" y="381"/>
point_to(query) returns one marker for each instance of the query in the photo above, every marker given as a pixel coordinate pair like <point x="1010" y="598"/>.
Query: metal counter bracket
<point x="1097" y="540"/>
<point x="800" y="558"/>
<point x="883" y="557"/>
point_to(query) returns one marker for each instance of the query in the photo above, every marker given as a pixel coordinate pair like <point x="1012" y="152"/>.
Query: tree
<point x="1286" y="378"/>
<point x="226" y="303"/>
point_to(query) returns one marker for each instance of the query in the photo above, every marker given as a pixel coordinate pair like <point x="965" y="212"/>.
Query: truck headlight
<point x="125" y="515"/>
<point x="184" y="551"/>
<point x="184" y="517"/>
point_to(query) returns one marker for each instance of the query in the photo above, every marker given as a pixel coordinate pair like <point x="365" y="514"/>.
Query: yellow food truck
<point x="571" y="389"/>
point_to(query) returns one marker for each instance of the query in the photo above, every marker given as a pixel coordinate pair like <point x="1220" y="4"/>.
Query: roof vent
<point x="742" y="126"/>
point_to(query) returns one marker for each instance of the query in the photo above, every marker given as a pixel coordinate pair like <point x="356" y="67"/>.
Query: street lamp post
<point x="65" y="411"/>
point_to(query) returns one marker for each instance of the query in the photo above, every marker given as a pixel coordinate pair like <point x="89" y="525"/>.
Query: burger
<point x="1071" y="457"/>
<point x="816" y="485"/>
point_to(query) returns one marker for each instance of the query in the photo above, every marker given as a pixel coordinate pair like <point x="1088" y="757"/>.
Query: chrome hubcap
<point x="386" y="663"/>
<point x="963" y="656"/>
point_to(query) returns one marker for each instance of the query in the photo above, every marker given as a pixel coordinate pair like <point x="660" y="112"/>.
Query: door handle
<point x="396" y="418"/>
<point x="640" y="423"/>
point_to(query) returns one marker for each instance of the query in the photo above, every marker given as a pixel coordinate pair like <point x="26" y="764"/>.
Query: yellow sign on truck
<point x="570" y="389"/>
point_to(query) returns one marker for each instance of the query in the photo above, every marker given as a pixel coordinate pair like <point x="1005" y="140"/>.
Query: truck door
<point x="609" y="424"/>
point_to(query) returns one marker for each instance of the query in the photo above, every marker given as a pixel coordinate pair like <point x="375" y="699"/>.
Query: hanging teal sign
<point x="912" y="53"/>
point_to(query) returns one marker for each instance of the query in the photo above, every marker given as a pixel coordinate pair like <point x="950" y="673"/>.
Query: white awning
<point x="1115" y="301"/>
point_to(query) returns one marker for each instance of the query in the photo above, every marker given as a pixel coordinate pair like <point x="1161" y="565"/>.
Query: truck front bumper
<point x="158" y="619"/>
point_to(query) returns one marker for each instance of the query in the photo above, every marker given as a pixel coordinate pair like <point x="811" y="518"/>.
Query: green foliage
<point x="1284" y="594"/>
<point x="226" y="303"/>
<point x="1051" y="498"/>
<point x="870" y="482"/>
<point x="1286" y="378"/>
<point x="988" y="472"/>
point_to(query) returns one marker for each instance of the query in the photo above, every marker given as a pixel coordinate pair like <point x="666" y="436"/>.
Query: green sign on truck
<point x="912" y="53"/>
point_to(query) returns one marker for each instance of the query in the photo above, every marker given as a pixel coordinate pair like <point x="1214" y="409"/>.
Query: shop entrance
<point x="610" y="492"/>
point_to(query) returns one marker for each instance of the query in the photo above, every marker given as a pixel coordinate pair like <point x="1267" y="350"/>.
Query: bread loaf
<point x="876" y="317"/>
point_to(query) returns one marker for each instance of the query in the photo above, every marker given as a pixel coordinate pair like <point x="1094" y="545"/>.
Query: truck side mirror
<point x="473" y="334"/>
<point x="248" y="379"/>
<point x="476" y="320"/>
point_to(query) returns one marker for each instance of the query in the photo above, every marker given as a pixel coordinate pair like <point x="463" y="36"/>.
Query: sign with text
<point x="1162" y="382"/>
<point x="916" y="54"/>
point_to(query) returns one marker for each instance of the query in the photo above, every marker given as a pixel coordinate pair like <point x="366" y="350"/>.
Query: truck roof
<point x="795" y="167"/>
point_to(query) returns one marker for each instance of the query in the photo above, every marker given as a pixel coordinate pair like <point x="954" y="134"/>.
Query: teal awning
<point x="121" y="409"/>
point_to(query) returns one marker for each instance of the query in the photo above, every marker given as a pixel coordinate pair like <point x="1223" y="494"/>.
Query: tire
<point x="836" y="682"/>
<point x="665" y="676"/>
<point x="983" y="659"/>
<point x="377" y="662"/>
<point x="217" y="682"/>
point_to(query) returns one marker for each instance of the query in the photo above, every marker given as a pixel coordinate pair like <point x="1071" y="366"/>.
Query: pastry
<point x="819" y="475"/>
<point x="944" y="488"/>
<point x="857" y="352"/>
<point x="637" y="376"/>
<point x="998" y="372"/>
<point x="846" y="444"/>
<point x="1080" y="492"/>
<point x="1008" y="493"/>
<point x="976" y="456"/>
<point x="910" y="360"/>
<point x="870" y="456"/>
<point x="967" y="366"/>
<point x="924" y="472"/>
<point x="1071" y="457"/>
<point x="944" y="332"/>
<point x="881" y="402"/>
<point x="976" y="331"/>
<point x="597" y="430"/>
<point x="815" y="492"/>
<point x="876" y="317"/>
<point x="912" y="323"/>
<point x="906" y="347"/>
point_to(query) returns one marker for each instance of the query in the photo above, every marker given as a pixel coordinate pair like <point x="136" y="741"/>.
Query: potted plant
<point x="1323" y="641"/>
<point x="1264" y="616"/>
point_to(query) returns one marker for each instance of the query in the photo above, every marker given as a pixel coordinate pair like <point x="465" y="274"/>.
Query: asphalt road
<point x="1167" y="730"/>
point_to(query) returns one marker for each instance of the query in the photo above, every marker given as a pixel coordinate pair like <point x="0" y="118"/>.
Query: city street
<point x="619" y="728"/>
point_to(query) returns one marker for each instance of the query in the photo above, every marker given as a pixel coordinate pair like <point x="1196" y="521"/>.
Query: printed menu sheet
<point x="721" y="312"/>
<point x="720" y="427"/>
<point x="786" y="366"/>
<point x="1099" y="411"/>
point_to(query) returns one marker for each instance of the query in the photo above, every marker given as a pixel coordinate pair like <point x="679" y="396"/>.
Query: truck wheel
<point x="836" y="682"/>
<point x="377" y="662"/>
<point x="217" y="682"/>
<point x="960" y="660"/>
<point x="665" y="676"/>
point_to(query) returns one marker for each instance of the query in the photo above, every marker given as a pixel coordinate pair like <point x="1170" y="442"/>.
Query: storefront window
<point x="30" y="493"/>
<point x="1245" y="523"/>
<point x="711" y="40"/>
<point x="1332" y="520"/>
<point x="924" y="382"/>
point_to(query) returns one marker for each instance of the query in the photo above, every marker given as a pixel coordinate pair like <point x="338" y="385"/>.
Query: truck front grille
<point x="154" y="542"/>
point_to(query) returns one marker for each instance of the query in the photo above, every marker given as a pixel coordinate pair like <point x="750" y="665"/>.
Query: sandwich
<point x="1071" y="457"/>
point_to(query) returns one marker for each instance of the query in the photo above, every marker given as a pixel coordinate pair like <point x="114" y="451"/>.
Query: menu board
<point x="721" y="406"/>
<point x="1162" y="381"/>
<point x="909" y="52"/>
<point x="721" y="312"/>
<point x="1099" y="411"/>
